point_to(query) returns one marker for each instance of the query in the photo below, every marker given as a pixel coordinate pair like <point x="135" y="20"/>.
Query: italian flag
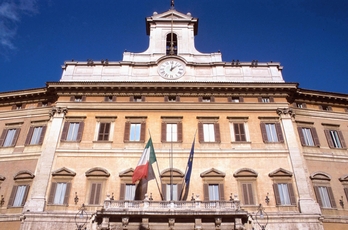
<point x="144" y="167"/>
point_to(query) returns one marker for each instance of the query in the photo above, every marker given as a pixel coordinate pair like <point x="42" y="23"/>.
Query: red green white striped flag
<point x="144" y="167"/>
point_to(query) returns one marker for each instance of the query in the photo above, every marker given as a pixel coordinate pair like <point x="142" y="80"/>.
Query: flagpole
<point x="158" y="173"/>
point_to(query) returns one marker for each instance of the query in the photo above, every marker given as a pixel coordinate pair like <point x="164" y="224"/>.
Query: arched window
<point x="171" y="37"/>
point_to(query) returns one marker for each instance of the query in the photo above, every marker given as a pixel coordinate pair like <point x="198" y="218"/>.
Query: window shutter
<point x="221" y="192"/>
<point x="179" y="132"/>
<point x="65" y="131"/>
<point x="30" y="134"/>
<point x="206" y="192"/>
<point x="304" y="106"/>
<point x="346" y="192"/>
<point x="14" y="107"/>
<point x="300" y="133"/>
<point x="276" y="194"/>
<point x="67" y="193"/>
<point x="72" y="98"/>
<point x="343" y="143"/>
<point x="315" y="137"/>
<point x="294" y="105"/>
<point x="329" y="108"/>
<point x="142" y="98"/>
<point x="316" y="191"/>
<point x="259" y="99"/>
<point x="291" y="194"/>
<point x="328" y="138"/>
<point x="3" y="136"/>
<point x="217" y="132"/>
<point x="200" y="132"/>
<point x="264" y="132"/>
<point x="122" y="191"/>
<point x="80" y="132"/>
<point x="142" y="131"/>
<point x="331" y="197"/>
<point x="106" y="98"/>
<point x="239" y="132"/>
<point x="25" y="195"/>
<point x="164" y="191"/>
<point x="180" y="196"/>
<point x="229" y="99"/>
<point x="346" y="110"/>
<point x="212" y="99"/>
<point x="39" y="104"/>
<point x="15" y="138"/>
<point x="245" y="194"/>
<point x="164" y="132"/>
<point x="92" y="195"/>
<point x="271" y="99"/>
<point x="320" y="107"/>
<point x="241" y="99"/>
<point x="127" y="131"/>
<point x="52" y="193"/>
<point x="177" y="98"/>
<point x="279" y="132"/>
<point x="131" y="98"/>
<point x="23" y="106"/>
<point x="166" y="98"/>
<point x="251" y="194"/>
<point x="114" y="98"/>
<point x="83" y="98"/>
<point x="12" y="196"/>
<point x="42" y="136"/>
<point x="95" y="193"/>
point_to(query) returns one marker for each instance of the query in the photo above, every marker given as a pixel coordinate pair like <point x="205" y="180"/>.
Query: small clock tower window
<point x="172" y="38"/>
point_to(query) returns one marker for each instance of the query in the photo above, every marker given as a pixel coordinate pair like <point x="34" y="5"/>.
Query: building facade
<point x="261" y="145"/>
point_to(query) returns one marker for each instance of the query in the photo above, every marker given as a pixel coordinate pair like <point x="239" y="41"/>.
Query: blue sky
<point x="308" y="37"/>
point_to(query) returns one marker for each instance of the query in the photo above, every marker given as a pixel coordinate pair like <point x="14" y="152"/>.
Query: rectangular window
<point x="248" y="196"/>
<point x="18" y="195"/>
<point x="206" y="99"/>
<point x="110" y="98"/>
<point x="239" y="132"/>
<point x="172" y="98"/>
<point x="301" y="105"/>
<point x="308" y="136"/>
<point x="325" y="196"/>
<point x="271" y="132"/>
<point x="94" y="197"/>
<point x="175" y="192"/>
<point x="265" y="99"/>
<point x="72" y="131"/>
<point x="236" y="99"/>
<point x="9" y="137"/>
<point x="35" y="135"/>
<point x="104" y="131"/>
<point x="284" y="194"/>
<point x="335" y="139"/>
<point x="137" y="98"/>
<point x="209" y="133"/>
<point x="172" y="132"/>
<point x="130" y="192"/>
<point x="59" y="193"/>
<point x="135" y="130"/>
<point x="213" y="191"/>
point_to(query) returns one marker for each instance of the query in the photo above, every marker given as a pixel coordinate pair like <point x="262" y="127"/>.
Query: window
<point x="325" y="107"/>
<point x="206" y="99"/>
<point x="171" y="98"/>
<point x="172" y="180"/>
<point x="130" y="192"/>
<point x="271" y="132"/>
<point x="43" y="104"/>
<point x="104" y="131"/>
<point x="335" y="138"/>
<point x="18" y="107"/>
<point x="172" y="37"/>
<point x="308" y="136"/>
<point x="134" y="131"/>
<point x="59" y="193"/>
<point x="235" y="99"/>
<point x="301" y="105"/>
<point x="284" y="194"/>
<point x="18" y="196"/>
<point x="213" y="192"/>
<point x="110" y="98"/>
<point x="325" y="196"/>
<point x="95" y="191"/>
<point x="176" y="192"/>
<point x="346" y="192"/>
<point x="239" y="132"/>
<point x="9" y="137"/>
<point x="209" y="132"/>
<point x="265" y="99"/>
<point x="171" y="132"/>
<point x="35" y="135"/>
<point x="248" y="194"/>
<point x="137" y="98"/>
<point x="72" y="131"/>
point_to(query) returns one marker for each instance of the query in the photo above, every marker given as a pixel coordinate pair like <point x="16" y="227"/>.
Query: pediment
<point x="344" y="178"/>
<point x="126" y="173"/>
<point x="280" y="173"/>
<point x="176" y="173"/>
<point x="63" y="172"/>
<point x="320" y="176"/>
<point x="245" y="172"/>
<point x="213" y="173"/>
<point x="2" y="178"/>
<point x="171" y="14"/>
<point x="22" y="175"/>
<point x="97" y="172"/>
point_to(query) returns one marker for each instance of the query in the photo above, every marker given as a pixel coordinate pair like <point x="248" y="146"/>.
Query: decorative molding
<point x="22" y="175"/>
<point x="212" y="173"/>
<point x="343" y="178"/>
<point x="97" y="172"/>
<point x="2" y="178"/>
<point x="245" y="172"/>
<point x="176" y="173"/>
<point x="58" y="110"/>
<point x="280" y="173"/>
<point x="286" y="111"/>
<point x="320" y="176"/>
<point x="63" y="172"/>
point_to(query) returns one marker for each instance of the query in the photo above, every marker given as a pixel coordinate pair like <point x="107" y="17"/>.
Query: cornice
<point x="27" y="96"/>
<point x="320" y="97"/>
<point x="322" y="114"/>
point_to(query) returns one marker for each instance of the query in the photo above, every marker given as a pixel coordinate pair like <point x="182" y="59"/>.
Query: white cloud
<point x="11" y="12"/>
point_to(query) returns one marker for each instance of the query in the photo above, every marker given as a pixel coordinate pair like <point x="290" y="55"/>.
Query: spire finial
<point x="172" y="4"/>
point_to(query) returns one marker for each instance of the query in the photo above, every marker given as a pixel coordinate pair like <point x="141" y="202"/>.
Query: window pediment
<point x="126" y="173"/>
<point x="22" y="175"/>
<point x="344" y="178"/>
<point x="213" y="173"/>
<point x="245" y="172"/>
<point x="63" y="172"/>
<point x="2" y="178"/>
<point x="97" y="172"/>
<point x="176" y="173"/>
<point x="320" y="176"/>
<point x="280" y="173"/>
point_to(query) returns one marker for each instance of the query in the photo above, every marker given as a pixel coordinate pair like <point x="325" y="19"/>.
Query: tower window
<point x="172" y="38"/>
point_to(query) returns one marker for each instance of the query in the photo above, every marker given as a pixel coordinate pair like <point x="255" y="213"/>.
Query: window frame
<point x="53" y="193"/>
<point x="305" y="138"/>
<point x="337" y="141"/>
<point x="14" y="137"/>
<point x="39" y="139"/>
<point x="238" y="136"/>
<point x="164" y="131"/>
<point x="278" y="132"/>
<point x="14" y="193"/>
<point x="202" y="134"/>
<point x="127" y="131"/>
<point x="265" y="99"/>
<point x="66" y="129"/>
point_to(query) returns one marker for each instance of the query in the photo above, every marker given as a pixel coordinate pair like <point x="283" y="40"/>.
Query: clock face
<point x="171" y="69"/>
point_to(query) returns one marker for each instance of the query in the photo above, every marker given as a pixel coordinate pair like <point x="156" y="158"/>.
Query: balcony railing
<point x="137" y="205"/>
